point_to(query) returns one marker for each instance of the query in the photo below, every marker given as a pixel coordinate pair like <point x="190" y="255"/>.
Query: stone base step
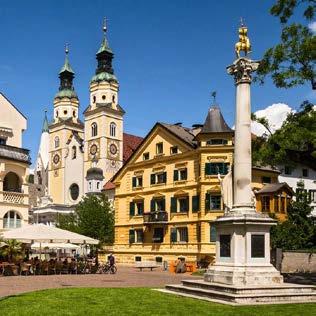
<point x="234" y="295"/>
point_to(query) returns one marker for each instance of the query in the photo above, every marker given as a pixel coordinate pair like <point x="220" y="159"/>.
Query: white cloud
<point x="312" y="26"/>
<point x="275" y="114"/>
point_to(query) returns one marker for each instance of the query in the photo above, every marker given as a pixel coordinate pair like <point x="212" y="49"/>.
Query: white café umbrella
<point x="46" y="234"/>
<point x="38" y="245"/>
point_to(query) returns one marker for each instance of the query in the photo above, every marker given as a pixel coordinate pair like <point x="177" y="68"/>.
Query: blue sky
<point x="169" y="56"/>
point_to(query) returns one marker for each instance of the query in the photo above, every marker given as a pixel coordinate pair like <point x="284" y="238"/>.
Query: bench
<point x="146" y="265"/>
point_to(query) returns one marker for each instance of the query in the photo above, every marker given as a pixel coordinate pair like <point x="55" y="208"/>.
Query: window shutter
<point x="212" y="233"/>
<point x="152" y="178"/>
<point x="141" y="210"/>
<point x="141" y="235"/>
<point x="173" y="235"/>
<point x="195" y="203"/>
<point x="207" y="202"/>
<point x="131" y="236"/>
<point x="226" y="166"/>
<point x="186" y="234"/>
<point x="165" y="177"/>
<point x="134" y="182"/>
<point x="173" y="208"/>
<point x="131" y="208"/>
<point x="208" y="166"/>
<point x="214" y="168"/>
<point x="163" y="202"/>
<point x="185" y="174"/>
<point x="187" y="204"/>
<point x="175" y="175"/>
<point x="152" y="205"/>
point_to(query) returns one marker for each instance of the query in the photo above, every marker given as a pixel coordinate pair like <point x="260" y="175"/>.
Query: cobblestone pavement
<point x="125" y="277"/>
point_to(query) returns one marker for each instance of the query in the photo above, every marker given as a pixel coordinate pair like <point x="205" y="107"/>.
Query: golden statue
<point x="244" y="42"/>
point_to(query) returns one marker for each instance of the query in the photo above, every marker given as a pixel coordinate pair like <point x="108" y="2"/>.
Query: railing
<point x="13" y="197"/>
<point x="15" y="153"/>
<point x="155" y="217"/>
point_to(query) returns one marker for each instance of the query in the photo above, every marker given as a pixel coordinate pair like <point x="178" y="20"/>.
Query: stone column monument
<point x="243" y="238"/>
<point x="242" y="273"/>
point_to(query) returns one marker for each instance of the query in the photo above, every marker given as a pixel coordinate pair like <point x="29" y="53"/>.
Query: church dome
<point x="103" y="76"/>
<point x="95" y="174"/>
<point x="66" y="93"/>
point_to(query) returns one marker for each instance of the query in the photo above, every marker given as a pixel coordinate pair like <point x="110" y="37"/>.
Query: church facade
<point x="82" y="156"/>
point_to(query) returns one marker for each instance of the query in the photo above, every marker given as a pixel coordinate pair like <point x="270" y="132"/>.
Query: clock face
<point x="113" y="149"/>
<point x="56" y="159"/>
<point x="93" y="149"/>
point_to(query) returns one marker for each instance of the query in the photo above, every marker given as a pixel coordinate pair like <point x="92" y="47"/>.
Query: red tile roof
<point x="130" y="144"/>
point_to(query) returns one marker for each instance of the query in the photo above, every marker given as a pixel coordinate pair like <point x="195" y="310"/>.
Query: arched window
<point x="56" y="142"/>
<point x="74" y="191"/>
<point x="113" y="98"/>
<point x="94" y="129"/>
<point x="74" y="152"/>
<point x="113" y="129"/>
<point x="11" y="182"/>
<point x="94" y="99"/>
<point x="12" y="220"/>
<point x="56" y="113"/>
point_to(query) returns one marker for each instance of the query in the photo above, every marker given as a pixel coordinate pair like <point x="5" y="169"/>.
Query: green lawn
<point x="131" y="301"/>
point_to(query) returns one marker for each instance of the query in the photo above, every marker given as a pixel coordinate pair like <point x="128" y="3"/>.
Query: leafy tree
<point x="299" y="231"/>
<point x="295" y="141"/>
<point x="92" y="217"/>
<point x="292" y="61"/>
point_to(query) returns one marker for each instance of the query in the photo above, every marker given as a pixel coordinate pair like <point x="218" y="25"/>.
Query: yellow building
<point x="14" y="167"/>
<point x="168" y="192"/>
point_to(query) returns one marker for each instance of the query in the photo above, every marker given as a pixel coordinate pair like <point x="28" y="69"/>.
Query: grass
<point x="132" y="301"/>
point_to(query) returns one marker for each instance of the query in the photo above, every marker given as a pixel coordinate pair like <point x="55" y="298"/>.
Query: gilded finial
<point x="67" y="48"/>
<point x="244" y="43"/>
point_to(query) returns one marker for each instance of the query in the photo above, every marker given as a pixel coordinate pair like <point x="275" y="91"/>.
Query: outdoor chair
<point x="24" y="268"/>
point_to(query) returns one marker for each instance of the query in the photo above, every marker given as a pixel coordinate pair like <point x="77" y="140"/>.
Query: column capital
<point x="241" y="69"/>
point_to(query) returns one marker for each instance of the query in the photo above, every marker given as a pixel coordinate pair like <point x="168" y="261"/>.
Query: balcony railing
<point x="12" y="197"/>
<point x="15" y="153"/>
<point x="155" y="217"/>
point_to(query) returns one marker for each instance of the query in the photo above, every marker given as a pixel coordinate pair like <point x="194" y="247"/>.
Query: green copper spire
<point x="45" y="123"/>
<point x="66" y="66"/>
<point x="104" y="45"/>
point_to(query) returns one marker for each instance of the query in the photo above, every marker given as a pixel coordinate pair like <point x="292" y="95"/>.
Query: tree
<point x="292" y="61"/>
<point x="299" y="231"/>
<point x="92" y="217"/>
<point x="294" y="142"/>
<point x="12" y="250"/>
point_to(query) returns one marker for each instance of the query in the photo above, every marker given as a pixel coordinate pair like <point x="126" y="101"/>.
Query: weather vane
<point x="104" y="25"/>
<point x="214" y="97"/>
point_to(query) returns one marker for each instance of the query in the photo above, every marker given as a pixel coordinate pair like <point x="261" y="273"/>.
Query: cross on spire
<point x="214" y="97"/>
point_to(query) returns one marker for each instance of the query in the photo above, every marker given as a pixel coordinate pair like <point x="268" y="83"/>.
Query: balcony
<point x="12" y="197"/>
<point x="158" y="217"/>
<point x="15" y="153"/>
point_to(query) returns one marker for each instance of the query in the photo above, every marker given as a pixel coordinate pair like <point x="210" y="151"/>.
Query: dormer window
<point x="174" y="150"/>
<point x="159" y="148"/>
<point x="217" y="141"/>
<point x="145" y="156"/>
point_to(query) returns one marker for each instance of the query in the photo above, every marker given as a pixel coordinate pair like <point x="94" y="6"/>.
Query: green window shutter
<point x="173" y="235"/>
<point x="131" y="208"/>
<point x="187" y="204"/>
<point x="163" y="204"/>
<point x="214" y="168"/>
<point x="207" y="202"/>
<point x="141" y="208"/>
<point x="175" y="175"/>
<point x="141" y="235"/>
<point x="186" y="235"/>
<point x="212" y="233"/>
<point x="134" y="182"/>
<point x="173" y="208"/>
<point x="226" y="166"/>
<point x="152" y="178"/>
<point x="208" y="168"/>
<point x="185" y="174"/>
<point x="165" y="177"/>
<point x="195" y="203"/>
<point x="152" y="205"/>
<point x="131" y="236"/>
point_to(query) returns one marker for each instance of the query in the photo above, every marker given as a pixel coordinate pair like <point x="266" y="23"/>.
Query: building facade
<point x="14" y="167"/>
<point x="171" y="190"/>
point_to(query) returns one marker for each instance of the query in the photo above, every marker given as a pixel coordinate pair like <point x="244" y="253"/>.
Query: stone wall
<point x="295" y="261"/>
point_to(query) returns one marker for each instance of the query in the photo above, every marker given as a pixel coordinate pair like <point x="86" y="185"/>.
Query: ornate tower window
<point x="113" y="129"/>
<point x="103" y="97"/>
<point x="94" y="129"/>
<point x="113" y="98"/>
<point x="94" y="99"/>
<point x="57" y="142"/>
<point x="74" y="191"/>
